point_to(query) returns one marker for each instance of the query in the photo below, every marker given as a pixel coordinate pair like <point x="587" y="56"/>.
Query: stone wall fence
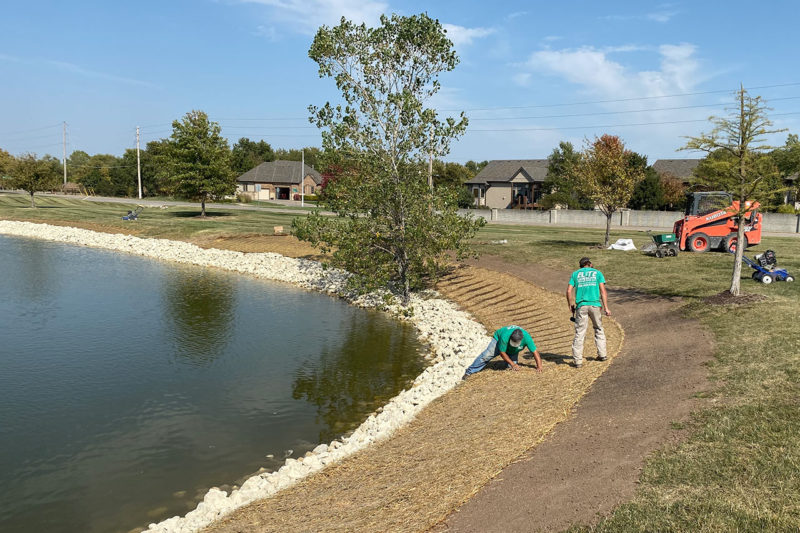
<point x="661" y="220"/>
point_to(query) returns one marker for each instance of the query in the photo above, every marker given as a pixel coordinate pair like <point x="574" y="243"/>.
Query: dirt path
<point x="591" y="462"/>
<point x="411" y="481"/>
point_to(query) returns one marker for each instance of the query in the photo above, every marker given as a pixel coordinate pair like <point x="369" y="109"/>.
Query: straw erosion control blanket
<point x="412" y="480"/>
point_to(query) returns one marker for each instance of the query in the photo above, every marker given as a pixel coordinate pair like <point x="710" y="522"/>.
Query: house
<point x="278" y="180"/>
<point x="509" y="183"/>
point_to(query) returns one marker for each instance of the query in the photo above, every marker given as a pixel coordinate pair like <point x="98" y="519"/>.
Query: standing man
<point x="506" y="342"/>
<point x="586" y="295"/>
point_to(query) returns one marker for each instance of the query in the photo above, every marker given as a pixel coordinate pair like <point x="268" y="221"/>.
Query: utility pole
<point x="302" y="177"/>
<point x="138" y="163"/>
<point x="64" y="138"/>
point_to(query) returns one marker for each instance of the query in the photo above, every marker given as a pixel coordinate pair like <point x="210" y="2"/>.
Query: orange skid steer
<point x="710" y="222"/>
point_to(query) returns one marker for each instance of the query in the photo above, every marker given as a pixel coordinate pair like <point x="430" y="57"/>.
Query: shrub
<point x="786" y="209"/>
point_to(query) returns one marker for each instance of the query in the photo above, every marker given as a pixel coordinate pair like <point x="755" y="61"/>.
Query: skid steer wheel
<point x="729" y="244"/>
<point x="699" y="242"/>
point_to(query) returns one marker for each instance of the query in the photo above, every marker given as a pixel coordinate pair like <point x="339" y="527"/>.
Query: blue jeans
<point x="487" y="355"/>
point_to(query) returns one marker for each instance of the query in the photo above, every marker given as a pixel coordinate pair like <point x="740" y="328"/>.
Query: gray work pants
<point x="582" y="318"/>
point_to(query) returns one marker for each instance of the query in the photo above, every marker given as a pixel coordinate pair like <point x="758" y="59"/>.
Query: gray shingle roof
<point x="504" y="170"/>
<point x="278" y="172"/>
<point x="680" y="168"/>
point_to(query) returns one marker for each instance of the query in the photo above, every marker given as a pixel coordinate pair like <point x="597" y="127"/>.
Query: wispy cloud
<point x="593" y="69"/>
<point x="75" y="69"/>
<point x="516" y="14"/>
<point x="464" y="36"/>
<point x="305" y="16"/>
<point x="660" y="15"/>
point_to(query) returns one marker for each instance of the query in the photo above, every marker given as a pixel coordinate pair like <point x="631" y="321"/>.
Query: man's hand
<point x="607" y="311"/>
<point x="514" y="367"/>
<point x="539" y="369"/>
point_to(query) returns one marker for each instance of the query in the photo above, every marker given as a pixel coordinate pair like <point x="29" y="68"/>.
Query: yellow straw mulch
<point x="413" y="480"/>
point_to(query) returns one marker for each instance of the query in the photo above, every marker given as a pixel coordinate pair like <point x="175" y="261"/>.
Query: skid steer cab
<point x="710" y="222"/>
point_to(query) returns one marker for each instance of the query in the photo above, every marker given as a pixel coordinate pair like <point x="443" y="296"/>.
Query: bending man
<point x="589" y="286"/>
<point x="506" y="342"/>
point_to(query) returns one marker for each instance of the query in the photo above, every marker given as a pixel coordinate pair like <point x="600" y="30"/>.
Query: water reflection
<point x="199" y="307"/>
<point x="353" y="379"/>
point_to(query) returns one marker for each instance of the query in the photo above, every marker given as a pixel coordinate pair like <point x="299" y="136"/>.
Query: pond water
<point x="128" y="386"/>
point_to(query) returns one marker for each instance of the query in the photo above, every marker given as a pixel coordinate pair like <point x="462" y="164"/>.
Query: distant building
<point x="509" y="183"/>
<point x="679" y="168"/>
<point x="278" y="180"/>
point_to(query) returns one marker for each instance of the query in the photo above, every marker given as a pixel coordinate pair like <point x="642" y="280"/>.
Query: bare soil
<point x="591" y="463"/>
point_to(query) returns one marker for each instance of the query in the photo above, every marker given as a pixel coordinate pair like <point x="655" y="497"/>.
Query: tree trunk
<point x="33" y="204"/>
<point x="608" y="229"/>
<point x="741" y="242"/>
<point x="203" y="207"/>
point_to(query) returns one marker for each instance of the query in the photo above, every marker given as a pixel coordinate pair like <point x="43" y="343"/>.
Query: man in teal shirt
<point x="586" y="295"/>
<point x="506" y="342"/>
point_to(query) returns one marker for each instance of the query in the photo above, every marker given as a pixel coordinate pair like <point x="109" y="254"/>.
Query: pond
<point x="131" y="386"/>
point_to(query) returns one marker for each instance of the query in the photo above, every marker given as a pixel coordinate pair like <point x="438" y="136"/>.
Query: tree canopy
<point x="34" y="175"/>
<point x="561" y="185"/>
<point x="737" y="162"/>
<point x="247" y="154"/>
<point x="393" y="229"/>
<point x="607" y="175"/>
<point x="197" y="160"/>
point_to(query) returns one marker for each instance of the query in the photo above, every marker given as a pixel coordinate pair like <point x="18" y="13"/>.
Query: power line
<point x="30" y="130"/>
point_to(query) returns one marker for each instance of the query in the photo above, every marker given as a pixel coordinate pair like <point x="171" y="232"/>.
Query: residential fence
<point x="773" y="222"/>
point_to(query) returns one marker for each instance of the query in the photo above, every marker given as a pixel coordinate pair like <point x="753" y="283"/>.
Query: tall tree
<point x="198" y="160"/>
<point x="311" y="154"/>
<point x="34" y="175"/>
<point x="6" y="162"/>
<point x="561" y="185"/>
<point x="247" y="154"/>
<point x="740" y="165"/>
<point x="787" y="158"/>
<point x="607" y="177"/>
<point x="649" y="192"/>
<point x="392" y="227"/>
<point x="674" y="191"/>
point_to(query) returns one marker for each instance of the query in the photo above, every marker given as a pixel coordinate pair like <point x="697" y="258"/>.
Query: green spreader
<point x="664" y="238"/>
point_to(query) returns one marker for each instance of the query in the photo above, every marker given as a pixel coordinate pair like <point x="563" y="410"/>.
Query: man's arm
<point x="507" y="359"/>
<point x="538" y="360"/>
<point x="604" y="299"/>
<point x="570" y="299"/>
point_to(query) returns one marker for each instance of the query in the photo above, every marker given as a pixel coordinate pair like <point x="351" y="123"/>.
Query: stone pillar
<point x="554" y="216"/>
<point x="494" y="213"/>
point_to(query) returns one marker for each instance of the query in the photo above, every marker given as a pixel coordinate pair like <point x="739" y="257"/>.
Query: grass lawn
<point x="739" y="469"/>
<point x="171" y="223"/>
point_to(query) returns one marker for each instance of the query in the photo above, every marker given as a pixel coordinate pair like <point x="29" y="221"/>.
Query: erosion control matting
<point x="412" y="480"/>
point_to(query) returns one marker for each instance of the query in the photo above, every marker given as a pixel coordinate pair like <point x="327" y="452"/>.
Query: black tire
<point x="698" y="242"/>
<point x="755" y="275"/>
<point x="672" y="251"/>
<point x="659" y="253"/>
<point x="730" y="241"/>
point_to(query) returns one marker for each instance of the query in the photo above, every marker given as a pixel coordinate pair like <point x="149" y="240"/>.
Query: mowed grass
<point x="172" y="223"/>
<point x="739" y="468"/>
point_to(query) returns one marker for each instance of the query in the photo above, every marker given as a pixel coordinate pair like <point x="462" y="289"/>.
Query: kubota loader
<point x="710" y="222"/>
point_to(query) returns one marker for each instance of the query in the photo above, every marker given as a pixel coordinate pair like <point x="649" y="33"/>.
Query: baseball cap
<point x="516" y="338"/>
<point x="584" y="261"/>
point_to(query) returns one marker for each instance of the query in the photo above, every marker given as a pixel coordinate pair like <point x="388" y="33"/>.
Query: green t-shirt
<point x="502" y="336"/>
<point x="587" y="286"/>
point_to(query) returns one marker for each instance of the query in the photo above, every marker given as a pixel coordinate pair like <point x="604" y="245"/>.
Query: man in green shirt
<point x="586" y="295"/>
<point x="506" y="342"/>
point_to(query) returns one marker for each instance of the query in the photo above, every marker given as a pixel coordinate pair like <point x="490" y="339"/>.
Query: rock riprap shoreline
<point x="453" y="337"/>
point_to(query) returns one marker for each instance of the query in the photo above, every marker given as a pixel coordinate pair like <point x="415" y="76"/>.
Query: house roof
<point x="680" y="168"/>
<point x="504" y="170"/>
<point x="279" y="172"/>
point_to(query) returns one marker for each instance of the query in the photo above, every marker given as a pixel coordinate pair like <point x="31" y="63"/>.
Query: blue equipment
<point x="766" y="268"/>
<point x="134" y="215"/>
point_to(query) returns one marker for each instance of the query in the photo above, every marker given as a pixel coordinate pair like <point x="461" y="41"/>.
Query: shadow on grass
<point x="196" y="214"/>
<point x="566" y="242"/>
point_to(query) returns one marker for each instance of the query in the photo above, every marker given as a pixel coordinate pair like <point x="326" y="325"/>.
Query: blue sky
<point x="531" y="73"/>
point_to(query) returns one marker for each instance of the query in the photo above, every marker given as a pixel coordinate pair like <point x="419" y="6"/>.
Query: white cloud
<point x="593" y="69"/>
<point x="661" y="15"/>
<point x="523" y="79"/>
<point x="306" y="16"/>
<point x="464" y="36"/>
